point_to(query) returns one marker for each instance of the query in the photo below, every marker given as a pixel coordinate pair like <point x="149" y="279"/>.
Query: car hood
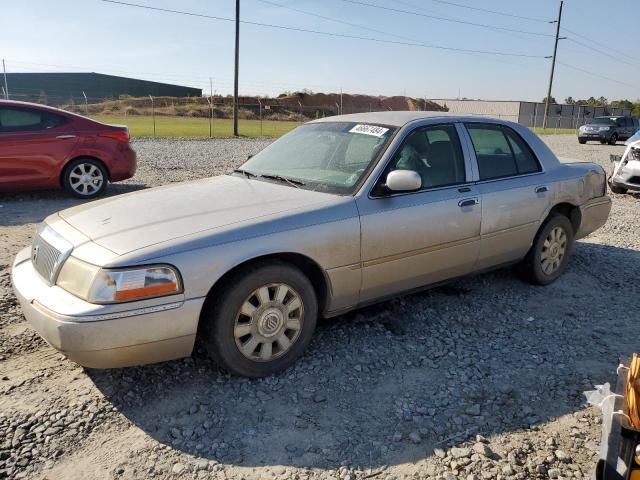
<point x="141" y="219"/>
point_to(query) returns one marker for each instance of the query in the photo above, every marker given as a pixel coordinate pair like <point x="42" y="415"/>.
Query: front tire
<point x="618" y="190"/>
<point x="550" y="252"/>
<point x="85" y="178"/>
<point x="264" y="322"/>
<point x="613" y="139"/>
<point x="582" y="141"/>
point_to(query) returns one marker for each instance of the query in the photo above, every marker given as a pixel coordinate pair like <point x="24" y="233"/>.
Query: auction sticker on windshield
<point x="369" y="130"/>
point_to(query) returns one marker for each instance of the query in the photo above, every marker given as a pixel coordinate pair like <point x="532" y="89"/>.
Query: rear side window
<point x="28" y="120"/>
<point x="501" y="152"/>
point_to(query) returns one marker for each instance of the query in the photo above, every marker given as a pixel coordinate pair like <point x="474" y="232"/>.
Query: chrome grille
<point x="44" y="257"/>
<point x="48" y="252"/>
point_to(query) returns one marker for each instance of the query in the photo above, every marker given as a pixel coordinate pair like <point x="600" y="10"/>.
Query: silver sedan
<point x="339" y="213"/>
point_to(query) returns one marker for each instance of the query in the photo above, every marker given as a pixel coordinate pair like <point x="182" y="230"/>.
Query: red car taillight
<point x="120" y="135"/>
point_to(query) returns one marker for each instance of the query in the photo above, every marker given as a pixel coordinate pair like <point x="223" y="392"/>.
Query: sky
<point x="93" y="35"/>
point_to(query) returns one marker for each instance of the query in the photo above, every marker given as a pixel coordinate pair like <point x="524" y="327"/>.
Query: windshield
<point x="602" y="121"/>
<point x="330" y="157"/>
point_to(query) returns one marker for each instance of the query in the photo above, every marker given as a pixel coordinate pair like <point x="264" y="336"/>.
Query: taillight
<point x="119" y="135"/>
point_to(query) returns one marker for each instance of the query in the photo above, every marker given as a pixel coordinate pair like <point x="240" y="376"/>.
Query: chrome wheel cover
<point x="86" y="179"/>
<point x="554" y="249"/>
<point x="269" y="322"/>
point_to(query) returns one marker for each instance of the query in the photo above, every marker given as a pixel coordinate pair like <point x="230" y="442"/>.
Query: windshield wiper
<point x="247" y="173"/>
<point x="291" y="181"/>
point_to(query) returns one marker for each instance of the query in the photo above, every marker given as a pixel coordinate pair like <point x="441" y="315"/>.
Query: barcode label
<point x="372" y="130"/>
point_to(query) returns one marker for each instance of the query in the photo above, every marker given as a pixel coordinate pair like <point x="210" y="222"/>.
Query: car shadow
<point x="386" y="384"/>
<point x="33" y="207"/>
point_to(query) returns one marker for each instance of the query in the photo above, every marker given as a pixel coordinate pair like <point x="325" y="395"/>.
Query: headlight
<point x="101" y="285"/>
<point x="603" y="129"/>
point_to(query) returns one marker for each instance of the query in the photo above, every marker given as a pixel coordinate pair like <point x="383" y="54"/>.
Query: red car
<point x="44" y="147"/>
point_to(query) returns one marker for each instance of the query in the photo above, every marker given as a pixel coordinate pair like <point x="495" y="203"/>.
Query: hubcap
<point x="269" y="322"/>
<point x="553" y="250"/>
<point x="86" y="179"/>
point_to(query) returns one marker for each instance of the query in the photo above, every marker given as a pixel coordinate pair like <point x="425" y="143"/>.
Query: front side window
<point x="435" y="153"/>
<point x="500" y="152"/>
<point x="27" y="120"/>
<point x="329" y="156"/>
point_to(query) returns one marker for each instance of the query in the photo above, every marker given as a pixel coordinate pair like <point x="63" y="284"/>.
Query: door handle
<point x="65" y="137"/>
<point x="542" y="189"/>
<point x="468" y="202"/>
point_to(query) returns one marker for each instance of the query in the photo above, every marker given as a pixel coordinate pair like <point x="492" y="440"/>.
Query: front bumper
<point x="628" y="176"/>
<point x="593" y="215"/>
<point x="96" y="336"/>
<point x="603" y="136"/>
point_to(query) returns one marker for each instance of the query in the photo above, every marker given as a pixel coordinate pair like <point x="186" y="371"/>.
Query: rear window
<point x="28" y="120"/>
<point x="501" y="152"/>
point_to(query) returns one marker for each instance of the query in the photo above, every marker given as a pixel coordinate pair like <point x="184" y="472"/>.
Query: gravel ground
<point x="480" y="379"/>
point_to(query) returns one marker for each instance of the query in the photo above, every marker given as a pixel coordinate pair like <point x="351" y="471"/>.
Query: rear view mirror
<point x="404" y="181"/>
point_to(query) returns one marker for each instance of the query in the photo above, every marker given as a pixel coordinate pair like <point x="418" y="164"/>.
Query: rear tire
<point x="263" y="322"/>
<point x="550" y="252"/>
<point x="85" y="178"/>
<point x="613" y="139"/>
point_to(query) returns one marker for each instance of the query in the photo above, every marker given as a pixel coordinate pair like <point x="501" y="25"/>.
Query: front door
<point x="418" y="238"/>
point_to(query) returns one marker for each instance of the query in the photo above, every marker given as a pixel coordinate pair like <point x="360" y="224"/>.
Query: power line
<point x="608" y="47"/>
<point x="329" y="34"/>
<point x="573" y="67"/>
<point x="591" y="48"/>
<point x="522" y="17"/>
<point x="446" y="19"/>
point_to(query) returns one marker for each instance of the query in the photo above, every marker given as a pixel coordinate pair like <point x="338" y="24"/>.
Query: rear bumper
<point x="593" y="215"/>
<point x="125" y="167"/>
<point x="100" y="338"/>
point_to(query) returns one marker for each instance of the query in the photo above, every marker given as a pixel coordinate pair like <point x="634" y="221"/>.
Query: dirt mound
<point x="296" y="106"/>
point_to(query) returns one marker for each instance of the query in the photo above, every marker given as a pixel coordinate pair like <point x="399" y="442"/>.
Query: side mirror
<point x="404" y="181"/>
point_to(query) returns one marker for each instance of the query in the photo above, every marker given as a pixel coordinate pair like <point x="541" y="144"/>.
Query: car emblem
<point x="34" y="253"/>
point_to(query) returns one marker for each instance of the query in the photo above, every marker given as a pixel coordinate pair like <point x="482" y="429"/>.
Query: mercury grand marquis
<point x="339" y="213"/>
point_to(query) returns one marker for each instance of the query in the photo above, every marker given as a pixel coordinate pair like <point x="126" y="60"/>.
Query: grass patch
<point x="142" y="126"/>
<point x="554" y="131"/>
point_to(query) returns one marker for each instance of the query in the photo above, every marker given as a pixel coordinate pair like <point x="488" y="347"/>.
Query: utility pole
<point x="210" y="107"/>
<point x="6" y="87"/>
<point x="341" y="111"/>
<point x="235" y="79"/>
<point x="86" y="104"/>
<point x="553" y="66"/>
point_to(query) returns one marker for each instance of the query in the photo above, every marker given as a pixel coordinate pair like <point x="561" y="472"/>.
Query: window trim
<point x="502" y="128"/>
<point x="64" y="120"/>
<point x="468" y="178"/>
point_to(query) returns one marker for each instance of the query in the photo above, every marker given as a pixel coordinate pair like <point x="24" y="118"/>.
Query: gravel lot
<point x="482" y="378"/>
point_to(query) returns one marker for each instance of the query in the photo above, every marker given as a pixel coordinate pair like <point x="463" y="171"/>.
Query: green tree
<point x="552" y="99"/>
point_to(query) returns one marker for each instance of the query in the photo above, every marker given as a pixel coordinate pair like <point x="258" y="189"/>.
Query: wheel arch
<point x="63" y="171"/>
<point x="570" y="211"/>
<point x="314" y="272"/>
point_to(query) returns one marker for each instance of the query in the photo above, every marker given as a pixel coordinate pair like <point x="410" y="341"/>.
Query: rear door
<point x="34" y="144"/>
<point x="514" y="193"/>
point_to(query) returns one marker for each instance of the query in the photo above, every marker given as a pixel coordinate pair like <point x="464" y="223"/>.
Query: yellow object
<point x="635" y="475"/>
<point x="633" y="395"/>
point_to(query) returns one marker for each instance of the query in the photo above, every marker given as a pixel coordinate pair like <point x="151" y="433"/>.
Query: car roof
<point x="396" y="118"/>
<point x="16" y="103"/>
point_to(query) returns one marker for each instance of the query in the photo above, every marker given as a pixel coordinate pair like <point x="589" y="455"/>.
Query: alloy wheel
<point x="86" y="179"/>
